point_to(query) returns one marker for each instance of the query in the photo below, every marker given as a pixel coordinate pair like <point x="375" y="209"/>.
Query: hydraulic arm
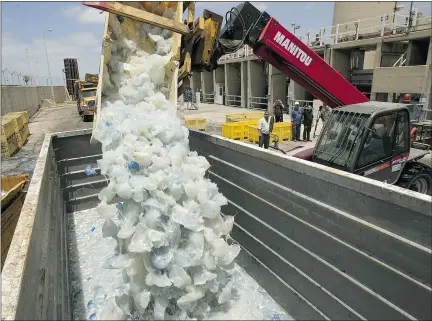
<point x="271" y="42"/>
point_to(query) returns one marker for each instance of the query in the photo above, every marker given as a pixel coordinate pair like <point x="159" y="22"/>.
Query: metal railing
<point x="233" y="100"/>
<point x="208" y="98"/>
<point x="401" y="61"/>
<point x="258" y="102"/>
<point x="377" y="26"/>
<point x="13" y="78"/>
<point x="246" y="51"/>
<point x="419" y="18"/>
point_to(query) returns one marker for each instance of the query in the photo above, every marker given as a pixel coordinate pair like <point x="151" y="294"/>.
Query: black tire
<point x="416" y="177"/>
<point x="87" y="118"/>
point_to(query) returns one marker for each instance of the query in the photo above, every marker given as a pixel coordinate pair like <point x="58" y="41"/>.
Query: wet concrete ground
<point x="62" y="117"/>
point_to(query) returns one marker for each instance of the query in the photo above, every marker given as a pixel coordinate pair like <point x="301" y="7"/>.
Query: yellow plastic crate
<point x="9" y="145"/>
<point x="9" y="127"/>
<point x="246" y="124"/>
<point x="196" y="123"/>
<point x="254" y="114"/>
<point x="24" y="133"/>
<point x="253" y="134"/>
<point x="244" y="116"/>
<point x="233" y="130"/>
<point x="283" y="130"/>
<point x="21" y="118"/>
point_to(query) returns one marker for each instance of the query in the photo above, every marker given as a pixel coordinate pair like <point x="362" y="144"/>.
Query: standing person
<point x="296" y="117"/>
<point x="188" y="98"/>
<point x="307" y="123"/>
<point x="264" y="128"/>
<point x="278" y="111"/>
<point x="325" y="113"/>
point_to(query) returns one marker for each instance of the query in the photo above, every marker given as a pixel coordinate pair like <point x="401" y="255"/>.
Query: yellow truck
<point x="86" y="96"/>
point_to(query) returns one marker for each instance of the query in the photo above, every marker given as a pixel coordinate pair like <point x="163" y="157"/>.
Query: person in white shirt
<point x="265" y="127"/>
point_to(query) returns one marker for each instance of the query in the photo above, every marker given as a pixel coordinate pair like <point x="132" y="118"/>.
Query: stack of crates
<point x="196" y="123"/>
<point x="22" y="122"/>
<point x="282" y="130"/>
<point x="9" y="140"/>
<point x="15" y="132"/>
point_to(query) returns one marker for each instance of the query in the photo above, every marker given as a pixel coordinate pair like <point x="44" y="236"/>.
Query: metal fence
<point x="258" y="102"/>
<point x="14" y="78"/>
<point x="233" y="100"/>
<point x="208" y="98"/>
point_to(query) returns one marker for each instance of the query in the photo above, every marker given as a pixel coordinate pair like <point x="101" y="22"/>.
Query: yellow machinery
<point x="194" y="41"/>
<point x="86" y="96"/>
<point x="194" y="44"/>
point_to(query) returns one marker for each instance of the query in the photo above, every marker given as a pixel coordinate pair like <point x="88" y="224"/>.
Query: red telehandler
<point x="363" y="137"/>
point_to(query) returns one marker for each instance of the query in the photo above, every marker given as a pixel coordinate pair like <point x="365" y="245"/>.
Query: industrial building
<point x="382" y="48"/>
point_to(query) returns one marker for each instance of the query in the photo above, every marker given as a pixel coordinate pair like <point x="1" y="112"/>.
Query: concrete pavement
<point x="62" y="117"/>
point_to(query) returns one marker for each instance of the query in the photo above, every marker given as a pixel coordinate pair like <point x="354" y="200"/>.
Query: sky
<point x="77" y="31"/>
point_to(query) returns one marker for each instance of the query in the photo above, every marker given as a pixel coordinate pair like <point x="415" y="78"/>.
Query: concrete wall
<point x="297" y="92"/>
<point x="207" y="83"/>
<point x="340" y="60"/>
<point x="196" y="81"/>
<point x="232" y="79"/>
<point x="277" y="85"/>
<point x="219" y="75"/>
<point x="399" y="79"/>
<point x="348" y="12"/>
<point x="369" y="59"/>
<point x="20" y="98"/>
<point x="256" y="79"/>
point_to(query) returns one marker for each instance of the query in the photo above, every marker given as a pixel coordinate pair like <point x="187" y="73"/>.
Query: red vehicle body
<point x="295" y="59"/>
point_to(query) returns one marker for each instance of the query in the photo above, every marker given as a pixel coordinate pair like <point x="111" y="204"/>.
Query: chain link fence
<point x="13" y="78"/>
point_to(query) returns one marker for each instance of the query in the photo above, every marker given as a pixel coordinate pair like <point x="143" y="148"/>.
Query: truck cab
<point x="87" y="102"/>
<point x="86" y="96"/>
<point x="372" y="139"/>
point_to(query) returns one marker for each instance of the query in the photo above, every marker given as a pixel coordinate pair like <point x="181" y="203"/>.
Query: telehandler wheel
<point x="417" y="177"/>
<point x="87" y="118"/>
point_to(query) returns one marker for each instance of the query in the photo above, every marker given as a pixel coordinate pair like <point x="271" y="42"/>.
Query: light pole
<point x="28" y="63"/>
<point x="37" y="70"/>
<point x="49" y="70"/>
<point x="295" y="27"/>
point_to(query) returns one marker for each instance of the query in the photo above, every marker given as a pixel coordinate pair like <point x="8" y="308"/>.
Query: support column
<point x="327" y="54"/>
<point x="426" y="90"/>
<point x="233" y="81"/>
<point x="376" y="64"/>
<point x="244" y="84"/>
<point x="270" y="90"/>
<point x="227" y="83"/>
